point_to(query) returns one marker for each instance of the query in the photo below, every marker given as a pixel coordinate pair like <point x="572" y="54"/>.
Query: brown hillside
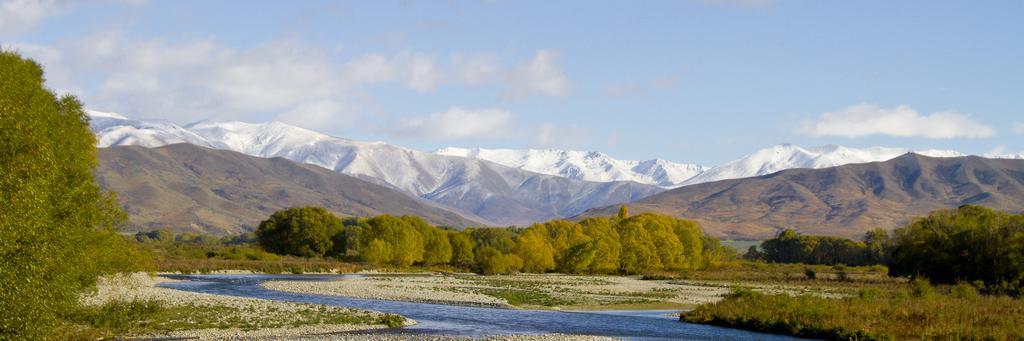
<point x="842" y="201"/>
<point x="184" y="187"/>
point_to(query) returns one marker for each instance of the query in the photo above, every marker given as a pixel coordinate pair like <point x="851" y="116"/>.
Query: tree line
<point x="967" y="244"/>
<point x="606" y="245"/>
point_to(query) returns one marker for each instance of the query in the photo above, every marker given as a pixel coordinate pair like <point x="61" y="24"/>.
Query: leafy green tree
<point x="492" y="261"/>
<point x="623" y="212"/>
<point x="437" y="249"/>
<point x="377" y="251"/>
<point x="534" y="250"/>
<point x="463" y="253"/>
<point x="971" y="243"/>
<point x="402" y="234"/>
<point x="299" y="231"/>
<point x="638" y="252"/>
<point x="57" y="227"/>
<point x="876" y="241"/>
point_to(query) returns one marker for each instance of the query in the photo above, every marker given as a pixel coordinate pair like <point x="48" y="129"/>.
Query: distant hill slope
<point x="502" y="195"/>
<point x="183" y="187"/>
<point x="843" y="201"/>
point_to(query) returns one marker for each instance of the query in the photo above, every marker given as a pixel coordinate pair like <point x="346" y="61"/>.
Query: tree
<point x="402" y="235"/>
<point x="462" y="249"/>
<point x="57" y="227"/>
<point x="437" y="249"/>
<point x="299" y="231"/>
<point x="623" y="212"/>
<point x="534" y="250"/>
<point x="876" y="242"/>
<point x="971" y="243"/>
<point x="638" y="253"/>
<point x="491" y="261"/>
<point x="377" y="251"/>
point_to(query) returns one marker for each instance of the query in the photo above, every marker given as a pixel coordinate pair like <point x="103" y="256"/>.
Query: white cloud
<point x="1019" y="128"/>
<point x="320" y="114"/>
<point x="289" y="80"/>
<point x="550" y="135"/>
<point x="17" y="16"/>
<point x="477" y="69"/>
<point x="901" y="121"/>
<point x="20" y="16"/>
<point x="540" y="75"/>
<point x="457" y="123"/>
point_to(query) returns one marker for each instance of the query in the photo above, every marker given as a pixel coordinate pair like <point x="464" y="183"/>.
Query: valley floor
<point x="206" y="316"/>
<point x="534" y="291"/>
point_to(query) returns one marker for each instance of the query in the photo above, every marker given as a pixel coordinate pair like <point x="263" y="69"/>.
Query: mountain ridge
<point x="188" y="188"/>
<point x="844" y="200"/>
<point x="501" y="195"/>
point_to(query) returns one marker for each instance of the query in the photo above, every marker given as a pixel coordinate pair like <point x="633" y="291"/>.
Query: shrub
<point x="921" y="288"/>
<point x="964" y="291"/>
<point x="810" y="273"/>
<point x="392" y="320"/>
<point x="299" y="231"/>
<point x="57" y="227"/>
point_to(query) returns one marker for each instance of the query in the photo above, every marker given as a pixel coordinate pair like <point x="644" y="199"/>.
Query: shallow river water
<point x="440" y="319"/>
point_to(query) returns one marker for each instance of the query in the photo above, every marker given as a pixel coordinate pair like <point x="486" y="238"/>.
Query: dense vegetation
<point x="970" y="249"/>
<point x="614" y="245"/>
<point x="919" y="312"/>
<point x="56" y="226"/>
<point x="971" y="243"/>
<point x="792" y="247"/>
<point x="202" y="253"/>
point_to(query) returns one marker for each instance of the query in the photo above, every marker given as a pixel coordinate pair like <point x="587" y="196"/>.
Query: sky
<point x="698" y="81"/>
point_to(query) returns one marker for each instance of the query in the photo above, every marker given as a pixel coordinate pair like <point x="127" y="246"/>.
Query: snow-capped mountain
<point x="502" y="186"/>
<point x="478" y="188"/>
<point x="787" y="156"/>
<point x="589" y="166"/>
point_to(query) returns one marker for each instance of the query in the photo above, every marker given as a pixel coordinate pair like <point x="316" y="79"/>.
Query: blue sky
<point x="689" y="81"/>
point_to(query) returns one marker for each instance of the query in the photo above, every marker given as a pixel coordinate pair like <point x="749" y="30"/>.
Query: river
<point x="440" y="319"/>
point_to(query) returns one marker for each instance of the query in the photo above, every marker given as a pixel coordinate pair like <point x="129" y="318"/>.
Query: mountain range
<point x="844" y="200"/>
<point x="493" y="193"/>
<point x="188" y="188"/>
<point x="496" y="186"/>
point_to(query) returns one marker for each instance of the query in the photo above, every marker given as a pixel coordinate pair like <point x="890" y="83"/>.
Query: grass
<point x="528" y="297"/>
<point x="120" y="318"/>
<point x="292" y="265"/>
<point x="917" y="312"/>
<point x="800" y="274"/>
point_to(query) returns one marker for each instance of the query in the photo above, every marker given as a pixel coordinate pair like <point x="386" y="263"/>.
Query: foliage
<point x="621" y="245"/>
<point x="299" y="231"/>
<point x="971" y="243"/>
<point x="869" y="316"/>
<point x="792" y="247"/>
<point x="392" y="320"/>
<point x="57" y="227"/>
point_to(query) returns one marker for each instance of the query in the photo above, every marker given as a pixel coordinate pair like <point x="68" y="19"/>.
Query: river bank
<point x="534" y="291"/>
<point x="207" y="316"/>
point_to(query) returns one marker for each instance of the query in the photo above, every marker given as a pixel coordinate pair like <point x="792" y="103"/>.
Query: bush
<point x="299" y="231"/>
<point x="392" y="320"/>
<point x="57" y="227"/>
<point x="964" y="291"/>
<point x="935" y="246"/>
<point x="810" y="273"/>
<point x="921" y="288"/>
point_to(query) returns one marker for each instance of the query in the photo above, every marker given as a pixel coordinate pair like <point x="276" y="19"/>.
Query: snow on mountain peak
<point x="583" y="165"/>
<point x="788" y="156"/>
